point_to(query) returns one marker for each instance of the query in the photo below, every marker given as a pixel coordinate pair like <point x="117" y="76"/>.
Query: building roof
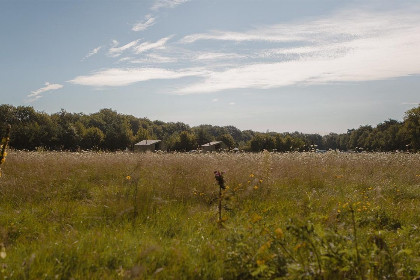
<point x="211" y="144"/>
<point x="147" y="142"/>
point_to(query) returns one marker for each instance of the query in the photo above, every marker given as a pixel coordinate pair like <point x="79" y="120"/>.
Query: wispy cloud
<point x="36" y="94"/>
<point x="92" y="52"/>
<point x="126" y="76"/>
<point x="149" y="20"/>
<point x="151" y="58"/>
<point x="159" y="4"/>
<point x="146" y="46"/>
<point x="117" y="51"/>
<point x="218" y="56"/>
<point x="349" y="47"/>
<point x="411" y="103"/>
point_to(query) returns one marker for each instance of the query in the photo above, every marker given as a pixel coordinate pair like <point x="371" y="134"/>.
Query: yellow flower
<point x="251" y="175"/>
<point x="256" y="218"/>
<point x="128" y="177"/>
<point x="261" y="180"/>
<point x="300" y="245"/>
<point x="264" y="247"/>
<point x="260" y="262"/>
<point x="255" y="187"/>
<point x="279" y="233"/>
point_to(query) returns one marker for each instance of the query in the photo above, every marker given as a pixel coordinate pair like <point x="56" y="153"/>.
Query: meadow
<point x="155" y="216"/>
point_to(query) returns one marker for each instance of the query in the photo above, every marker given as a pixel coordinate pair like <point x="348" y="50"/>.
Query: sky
<point x="267" y="65"/>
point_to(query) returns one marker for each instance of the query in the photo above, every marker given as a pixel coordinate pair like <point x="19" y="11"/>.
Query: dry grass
<point x="78" y="215"/>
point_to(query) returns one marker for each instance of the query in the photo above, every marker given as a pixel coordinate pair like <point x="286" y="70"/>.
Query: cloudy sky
<point x="280" y="65"/>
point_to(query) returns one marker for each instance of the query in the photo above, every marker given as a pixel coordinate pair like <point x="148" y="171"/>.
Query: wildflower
<point x="251" y="175"/>
<point x="128" y="177"/>
<point x="256" y="218"/>
<point x="279" y="233"/>
<point x="260" y="262"/>
<point x="300" y="245"/>
<point x="255" y="187"/>
<point x="261" y="181"/>
<point x="264" y="247"/>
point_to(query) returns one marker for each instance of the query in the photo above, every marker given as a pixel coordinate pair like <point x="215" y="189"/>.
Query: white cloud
<point x="36" y="94"/>
<point x="117" y="51"/>
<point x="411" y="103"/>
<point x="218" y="56"/>
<point x="349" y="47"/>
<point x="149" y="20"/>
<point x="344" y="26"/>
<point x="92" y="52"/>
<point x="114" y="43"/>
<point x="152" y="58"/>
<point x="167" y="4"/>
<point x="146" y="46"/>
<point x="126" y="76"/>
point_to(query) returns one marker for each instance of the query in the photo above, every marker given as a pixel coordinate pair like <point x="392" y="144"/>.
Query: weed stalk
<point x="221" y="182"/>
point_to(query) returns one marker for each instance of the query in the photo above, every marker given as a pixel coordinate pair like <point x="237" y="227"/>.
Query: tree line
<point x="111" y="131"/>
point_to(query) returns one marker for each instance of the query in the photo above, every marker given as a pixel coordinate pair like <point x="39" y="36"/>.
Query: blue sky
<point x="310" y="66"/>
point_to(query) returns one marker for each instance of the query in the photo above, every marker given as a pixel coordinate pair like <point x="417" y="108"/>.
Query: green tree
<point x="412" y="128"/>
<point x="93" y="138"/>
<point x="228" y="140"/>
<point x="187" y="142"/>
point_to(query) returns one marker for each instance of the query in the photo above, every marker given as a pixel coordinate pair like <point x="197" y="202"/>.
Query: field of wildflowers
<point x="170" y="216"/>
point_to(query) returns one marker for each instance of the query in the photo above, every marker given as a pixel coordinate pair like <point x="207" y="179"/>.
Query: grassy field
<point x="155" y="216"/>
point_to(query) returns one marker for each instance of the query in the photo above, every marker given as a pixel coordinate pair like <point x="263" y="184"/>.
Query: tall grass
<point x="134" y="216"/>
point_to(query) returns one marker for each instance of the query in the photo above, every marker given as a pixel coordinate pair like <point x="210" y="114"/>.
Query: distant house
<point x="213" y="146"/>
<point x="148" y="146"/>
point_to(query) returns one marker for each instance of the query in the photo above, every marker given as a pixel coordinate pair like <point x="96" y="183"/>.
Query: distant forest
<point x="111" y="131"/>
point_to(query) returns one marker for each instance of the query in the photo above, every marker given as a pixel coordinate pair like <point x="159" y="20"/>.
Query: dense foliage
<point x="109" y="130"/>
